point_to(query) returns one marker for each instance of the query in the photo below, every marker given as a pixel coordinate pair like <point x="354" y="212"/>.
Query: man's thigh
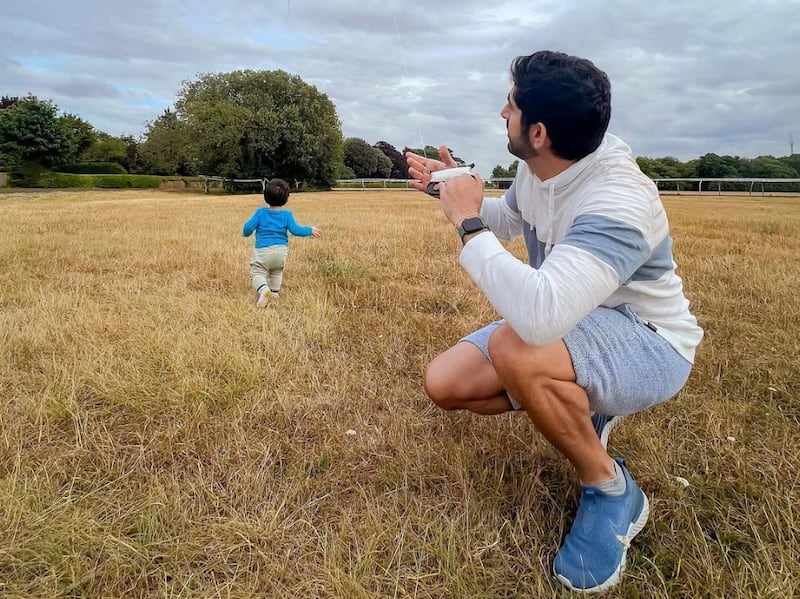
<point x="622" y="364"/>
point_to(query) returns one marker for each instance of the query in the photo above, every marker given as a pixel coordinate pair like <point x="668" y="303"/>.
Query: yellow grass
<point x="162" y="437"/>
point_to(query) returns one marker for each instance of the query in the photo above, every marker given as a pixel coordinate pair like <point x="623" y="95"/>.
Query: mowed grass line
<point x="162" y="437"/>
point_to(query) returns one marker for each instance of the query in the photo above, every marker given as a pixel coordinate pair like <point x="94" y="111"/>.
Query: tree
<point x="505" y="173"/>
<point x="399" y="168"/>
<point x="253" y="124"/>
<point x="383" y="165"/>
<point x="771" y="168"/>
<point x="364" y="160"/>
<point x="166" y="149"/>
<point x="106" y="148"/>
<point x="428" y="151"/>
<point x="9" y="101"/>
<point x="31" y="131"/>
<point x="664" y="168"/>
<point x="793" y="162"/>
<point x="132" y="161"/>
<point x="713" y="166"/>
<point x="80" y="135"/>
<point x="431" y="152"/>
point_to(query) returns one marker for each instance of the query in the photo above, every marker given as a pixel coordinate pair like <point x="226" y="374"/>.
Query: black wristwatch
<point x="473" y="224"/>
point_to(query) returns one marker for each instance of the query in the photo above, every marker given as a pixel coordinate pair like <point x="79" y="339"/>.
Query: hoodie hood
<point x="611" y="150"/>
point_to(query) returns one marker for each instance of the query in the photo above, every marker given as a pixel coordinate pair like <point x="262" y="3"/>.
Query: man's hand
<point x="316" y="232"/>
<point x="461" y="197"/>
<point x="420" y="168"/>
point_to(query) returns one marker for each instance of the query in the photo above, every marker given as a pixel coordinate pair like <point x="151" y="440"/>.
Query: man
<point x="596" y="326"/>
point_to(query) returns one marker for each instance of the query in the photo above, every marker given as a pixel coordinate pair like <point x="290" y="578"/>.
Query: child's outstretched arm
<point x="250" y="225"/>
<point x="301" y="230"/>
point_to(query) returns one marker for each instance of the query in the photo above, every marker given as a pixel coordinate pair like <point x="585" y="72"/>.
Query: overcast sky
<point x="688" y="76"/>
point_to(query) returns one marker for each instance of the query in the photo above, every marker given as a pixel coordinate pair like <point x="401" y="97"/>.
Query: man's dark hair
<point x="276" y="192"/>
<point x="569" y="95"/>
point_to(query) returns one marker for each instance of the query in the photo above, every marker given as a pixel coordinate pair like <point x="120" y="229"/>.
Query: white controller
<point x="447" y="173"/>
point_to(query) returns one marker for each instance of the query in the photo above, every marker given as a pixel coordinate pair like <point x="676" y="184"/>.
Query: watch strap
<point x="472" y="224"/>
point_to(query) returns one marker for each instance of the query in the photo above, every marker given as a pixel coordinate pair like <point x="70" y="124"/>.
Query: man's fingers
<point x="423" y="164"/>
<point x="447" y="159"/>
<point x="419" y="172"/>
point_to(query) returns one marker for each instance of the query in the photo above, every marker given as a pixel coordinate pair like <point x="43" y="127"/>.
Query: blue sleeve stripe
<point x="536" y="248"/>
<point x="619" y="244"/>
<point x="660" y="262"/>
<point x="511" y="196"/>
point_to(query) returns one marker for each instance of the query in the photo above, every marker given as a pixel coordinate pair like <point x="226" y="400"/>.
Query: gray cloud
<point x="688" y="77"/>
<point x="83" y="86"/>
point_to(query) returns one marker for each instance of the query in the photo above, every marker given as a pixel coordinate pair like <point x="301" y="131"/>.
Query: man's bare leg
<point x="542" y="380"/>
<point x="461" y="378"/>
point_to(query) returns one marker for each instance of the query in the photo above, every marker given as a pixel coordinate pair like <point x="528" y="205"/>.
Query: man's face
<point x="519" y="143"/>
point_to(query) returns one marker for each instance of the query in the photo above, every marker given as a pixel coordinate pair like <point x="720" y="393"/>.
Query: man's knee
<point x="439" y="387"/>
<point x="514" y="359"/>
<point x="508" y="352"/>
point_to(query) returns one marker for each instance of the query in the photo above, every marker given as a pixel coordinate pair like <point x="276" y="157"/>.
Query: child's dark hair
<point x="570" y="95"/>
<point x="276" y="193"/>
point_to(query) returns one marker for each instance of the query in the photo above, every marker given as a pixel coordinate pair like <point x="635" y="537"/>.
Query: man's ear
<point x="537" y="135"/>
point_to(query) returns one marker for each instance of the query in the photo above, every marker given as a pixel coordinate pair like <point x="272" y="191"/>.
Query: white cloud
<point x="688" y="77"/>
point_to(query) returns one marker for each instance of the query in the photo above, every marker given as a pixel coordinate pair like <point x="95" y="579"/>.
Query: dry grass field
<point x="162" y="437"/>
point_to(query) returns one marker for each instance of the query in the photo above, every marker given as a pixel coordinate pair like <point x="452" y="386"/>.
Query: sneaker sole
<point x="634" y="529"/>
<point x="612" y="424"/>
<point x="604" y="433"/>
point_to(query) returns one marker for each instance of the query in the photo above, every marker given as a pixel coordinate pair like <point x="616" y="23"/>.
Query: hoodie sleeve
<point x="501" y="214"/>
<point x="542" y="304"/>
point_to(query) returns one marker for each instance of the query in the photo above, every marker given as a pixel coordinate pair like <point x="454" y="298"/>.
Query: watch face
<point x="472" y="224"/>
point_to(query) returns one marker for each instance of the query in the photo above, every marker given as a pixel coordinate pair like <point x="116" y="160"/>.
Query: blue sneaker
<point x="603" y="425"/>
<point x="592" y="558"/>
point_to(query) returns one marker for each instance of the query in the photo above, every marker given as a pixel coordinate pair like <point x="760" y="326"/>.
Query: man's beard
<point x="521" y="147"/>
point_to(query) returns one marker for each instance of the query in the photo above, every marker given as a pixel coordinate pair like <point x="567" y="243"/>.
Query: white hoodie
<point x="597" y="235"/>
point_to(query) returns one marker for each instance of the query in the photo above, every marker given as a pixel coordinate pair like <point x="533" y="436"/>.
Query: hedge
<point x="93" y="168"/>
<point x="65" y="180"/>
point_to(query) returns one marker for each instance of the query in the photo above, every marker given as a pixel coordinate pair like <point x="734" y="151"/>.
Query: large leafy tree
<point x="106" y="148"/>
<point x="80" y="135"/>
<point x="257" y="124"/>
<point x="500" y="172"/>
<point x="365" y="160"/>
<point x="360" y="157"/>
<point x="8" y="101"/>
<point x="32" y="131"/>
<point x="770" y="167"/>
<point x="399" y="166"/>
<point x="166" y="149"/>
<point x="793" y="162"/>
<point x="714" y="166"/>
<point x="664" y="168"/>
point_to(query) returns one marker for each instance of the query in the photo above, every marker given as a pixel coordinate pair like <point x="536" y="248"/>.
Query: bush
<point x="67" y="180"/>
<point x="61" y="180"/>
<point x="93" y="168"/>
<point x="26" y="174"/>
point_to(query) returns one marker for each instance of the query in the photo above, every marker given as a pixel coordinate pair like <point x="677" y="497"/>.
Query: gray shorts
<point x="622" y="364"/>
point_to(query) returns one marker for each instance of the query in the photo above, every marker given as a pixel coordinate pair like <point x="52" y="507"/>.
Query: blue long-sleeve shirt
<point x="271" y="226"/>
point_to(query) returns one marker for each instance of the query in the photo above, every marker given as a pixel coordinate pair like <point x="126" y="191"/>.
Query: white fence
<point x="373" y="184"/>
<point x="697" y="183"/>
<point x="368" y="184"/>
<point x="753" y="181"/>
<point x="221" y="180"/>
